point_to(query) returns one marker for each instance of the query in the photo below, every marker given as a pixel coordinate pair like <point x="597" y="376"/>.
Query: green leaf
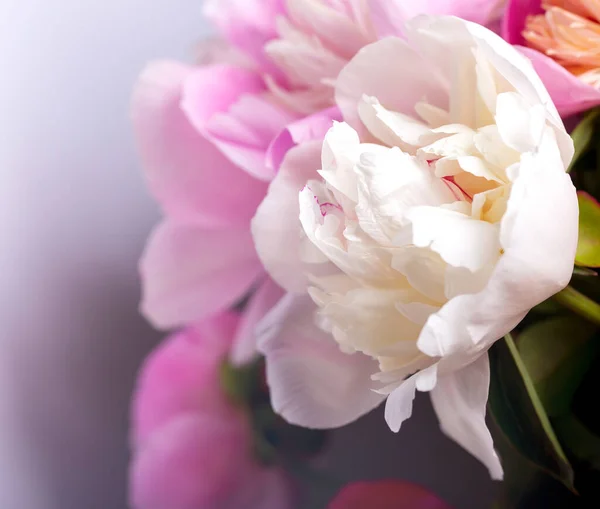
<point x="588" y="247"/>
<point x="519" y="413"/>
<point x="584" y="272"/>
<point x="579" y="304"/>
<point x="557" y="353"/>
<point x="241" y="383"/>
<point x="582" y="136"/>
<point x="579" y="440"/>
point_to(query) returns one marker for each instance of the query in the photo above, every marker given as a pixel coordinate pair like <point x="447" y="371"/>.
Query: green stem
<point x="579" y="303"/>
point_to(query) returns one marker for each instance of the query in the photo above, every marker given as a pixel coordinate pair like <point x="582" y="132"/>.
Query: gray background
<point x="73" y="218"/>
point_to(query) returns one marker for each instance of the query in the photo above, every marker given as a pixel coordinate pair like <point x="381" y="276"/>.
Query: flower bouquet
<point x="366" y="199"/>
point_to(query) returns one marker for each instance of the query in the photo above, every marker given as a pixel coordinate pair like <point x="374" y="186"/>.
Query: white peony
<point x="431" y="221"/>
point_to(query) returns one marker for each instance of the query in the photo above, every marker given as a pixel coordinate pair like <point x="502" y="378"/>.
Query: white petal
<point x="459" y="239"/>
<point x="424" y="270"/>
<point x="341" y="150"/>
<point x="460" y="281"/>
<point x="390" y="182"/>
<point x="342" y="242"/>
<point x="416" y="312"/>
<point x="488" y="142"/>
<point x="313" y="384"/>
<point x="399" y="404"/>
<point x="243" y="349"/>
<point x="460" y="400"/>
<point x="444" y="40"/>
<point x="427" y="379"/>
<point x="520" y="126"/>
<point x="391" y="128"/>
<point x="372" y="72"/>
<point x="278" y="236"/>
<point x="539" y="235"/>
<point x="367" y="320"/>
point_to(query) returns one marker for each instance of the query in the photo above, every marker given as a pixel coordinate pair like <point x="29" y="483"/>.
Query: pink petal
<point x="313" y="384"/>
<point x="266" y="489"/>
<point x="247" y="24"/>
<point x="226" y="104"/>
<point x="569" y="93"/>
<point x="189" y="272"/>
<point x="334" y="28"/>
<point x="391" y="494"/>
<point x="515" y="15"/>
<point x="370" y="73"/>
<point x="193" y="462"/>
<point x="216" y="88"/>
<point x="182" y="375"/>
<point x="244" y="348"/>
<point x="389" y="16"/>
<point x="313" y="127"/>
<point x="276" y="229"/>
<point x="186" y="173"/>
<point x="460" y="401"/>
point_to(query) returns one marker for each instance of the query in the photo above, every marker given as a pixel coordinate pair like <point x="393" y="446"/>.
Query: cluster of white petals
<point x="431" y="221"/>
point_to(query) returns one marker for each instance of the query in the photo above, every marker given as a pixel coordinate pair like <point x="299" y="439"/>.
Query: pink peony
<point x="211" y="137"/>
<point x="192" y="447"/>
<point x="559" y="37"/>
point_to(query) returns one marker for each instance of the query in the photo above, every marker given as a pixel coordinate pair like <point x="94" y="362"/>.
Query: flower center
<point x="569" y="33"/>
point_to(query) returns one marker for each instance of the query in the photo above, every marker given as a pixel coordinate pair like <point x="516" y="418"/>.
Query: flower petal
<point x="171" y="470"/>
<point x="569" y="93"/>
<point x="182" y="376"/>
<point x="333" y="27"/>
<point x="226" y="104"/>
<point x="459" y="239"/>
<point x="370" y="73"/>
<point x="386" y="495"/>
<point x="187" y="174"/>
<point x="215" y="89"/>
<point x="313" y="384"/>
<point x="247" y="24"/>
<point x="432" y="35"/>
<point x="389" y="16"/>
<point x="277" y="234"/>
<point x="460" y="400"/>
<point x="399" y="404"/>
<point x="540" y="219"/>
<point x="189" y="272"/>
<point x="268" y="489"/>
<point x="313" y="127"/>
<point x="244" y="348"/>
<point x="515" y="15"/>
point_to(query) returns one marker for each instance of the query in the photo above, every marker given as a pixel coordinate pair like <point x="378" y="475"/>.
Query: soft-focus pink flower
<point x="201" y="258"/>
<point x="310" y="41"/>
<point x="211" y="137"/>
<point x="386" y="495"/>
<point x="192" y="447"/>
<point x="557" y="43"/>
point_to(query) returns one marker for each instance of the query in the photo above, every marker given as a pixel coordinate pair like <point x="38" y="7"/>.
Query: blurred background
<point x="74" y="215"/>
